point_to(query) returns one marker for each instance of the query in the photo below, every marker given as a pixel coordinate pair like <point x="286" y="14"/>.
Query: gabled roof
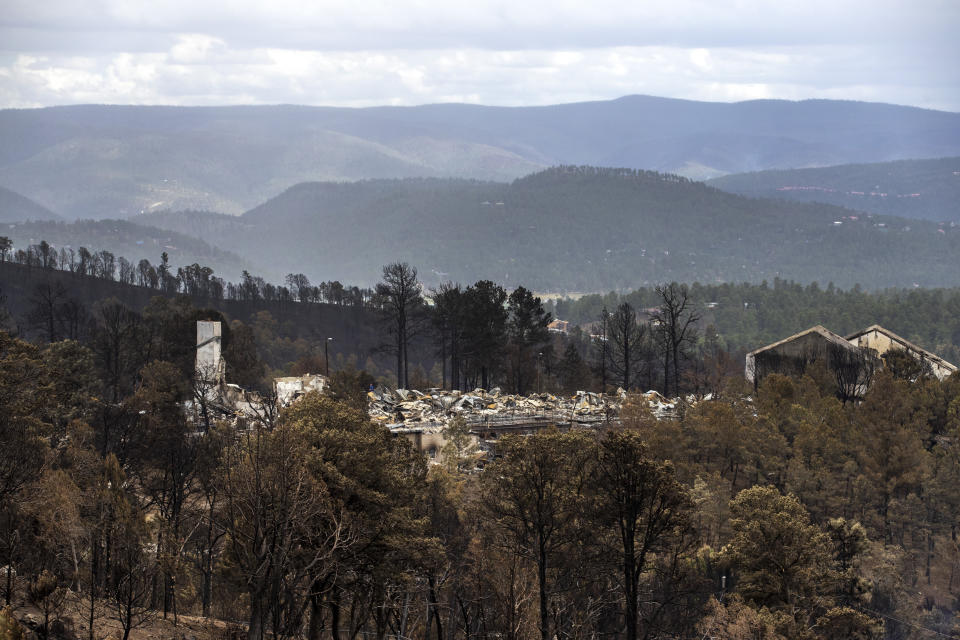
<point x="906" y="343"/>
<point x="825" y="333"/>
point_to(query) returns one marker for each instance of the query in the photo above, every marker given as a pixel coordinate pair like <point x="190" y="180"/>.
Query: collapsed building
<point x="216" y="399"/>
<point x="851" y="359"/>
<point x="421" y="416"/>
<point x="290" y="389"/>
<point x="425" y="416"/>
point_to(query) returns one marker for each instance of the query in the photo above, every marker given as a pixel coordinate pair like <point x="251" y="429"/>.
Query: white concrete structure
<point x="209" y="364"/>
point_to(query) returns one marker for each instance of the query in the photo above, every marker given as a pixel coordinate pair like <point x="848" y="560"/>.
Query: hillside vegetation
<point x="575" y="229"/>
<point x="738" y="317"/>
<point x="927" y="189"/>
<point x="123" y="507"/>
<point x="125" y="238"/>
<point x="748" y="316"/>
<point x="116" y="161"/>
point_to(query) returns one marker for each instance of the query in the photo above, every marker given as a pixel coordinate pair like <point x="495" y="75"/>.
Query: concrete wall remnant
<point x="209" y="362"/>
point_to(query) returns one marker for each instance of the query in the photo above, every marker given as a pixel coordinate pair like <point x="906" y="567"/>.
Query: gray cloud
<point x="534" y="52"/>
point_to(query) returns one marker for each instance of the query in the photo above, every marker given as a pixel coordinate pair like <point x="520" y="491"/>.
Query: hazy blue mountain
<point x="927" y="189"/>
<point x="117" y="161"/>
<point x="14" y="207"/>
<point x="573" y="229"/>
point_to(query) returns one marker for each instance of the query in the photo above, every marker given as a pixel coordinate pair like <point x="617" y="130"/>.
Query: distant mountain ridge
<point x="117" y="161"/>
<point x="924" y="189"/>
<point x="573" y="229"/>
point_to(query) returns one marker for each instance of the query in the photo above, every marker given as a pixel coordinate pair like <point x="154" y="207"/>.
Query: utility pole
<point x="539" y="369"/>
<point x="326" y="354"/>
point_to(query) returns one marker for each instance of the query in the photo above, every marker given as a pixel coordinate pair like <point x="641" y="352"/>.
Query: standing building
<point x="884" y="341"/>
<point x="852" y="360"/>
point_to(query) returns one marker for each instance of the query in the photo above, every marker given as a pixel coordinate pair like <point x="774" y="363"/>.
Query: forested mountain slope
<point x="575" y="229"/>
<point x="927" y="189"/>
<point x="128" y="239"/>
<point x="116" y="161"/>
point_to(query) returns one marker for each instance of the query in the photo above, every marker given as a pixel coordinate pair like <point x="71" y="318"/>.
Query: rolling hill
<point x="574" y="229"/>
<point x="15" y="207"/>
<point x="128" y="239"/>
<point x="924" y="189"/>
<point x="117" y="161"/>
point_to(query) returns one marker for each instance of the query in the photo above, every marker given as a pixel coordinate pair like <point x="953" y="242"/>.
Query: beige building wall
<point x="882" y="341"/>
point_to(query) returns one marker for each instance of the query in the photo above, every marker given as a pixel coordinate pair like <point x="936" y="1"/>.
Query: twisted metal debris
<point x="431" y="410"/>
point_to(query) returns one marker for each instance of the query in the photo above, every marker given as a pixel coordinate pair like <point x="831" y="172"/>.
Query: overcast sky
<point x="520" y="52"/>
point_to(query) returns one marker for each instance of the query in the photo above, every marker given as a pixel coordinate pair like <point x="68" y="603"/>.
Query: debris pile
<point x="407" y="409"/>
<point x="292" y="388"/>
<point x="435" y="407"/>
<point x="661" y="407"/>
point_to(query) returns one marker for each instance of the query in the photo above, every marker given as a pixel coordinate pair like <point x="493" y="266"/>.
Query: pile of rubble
<point x="292" y="388"/>
<point x="433" y="408"/>
<point x="661" y="407"/>
<point x="400" y="409"/>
